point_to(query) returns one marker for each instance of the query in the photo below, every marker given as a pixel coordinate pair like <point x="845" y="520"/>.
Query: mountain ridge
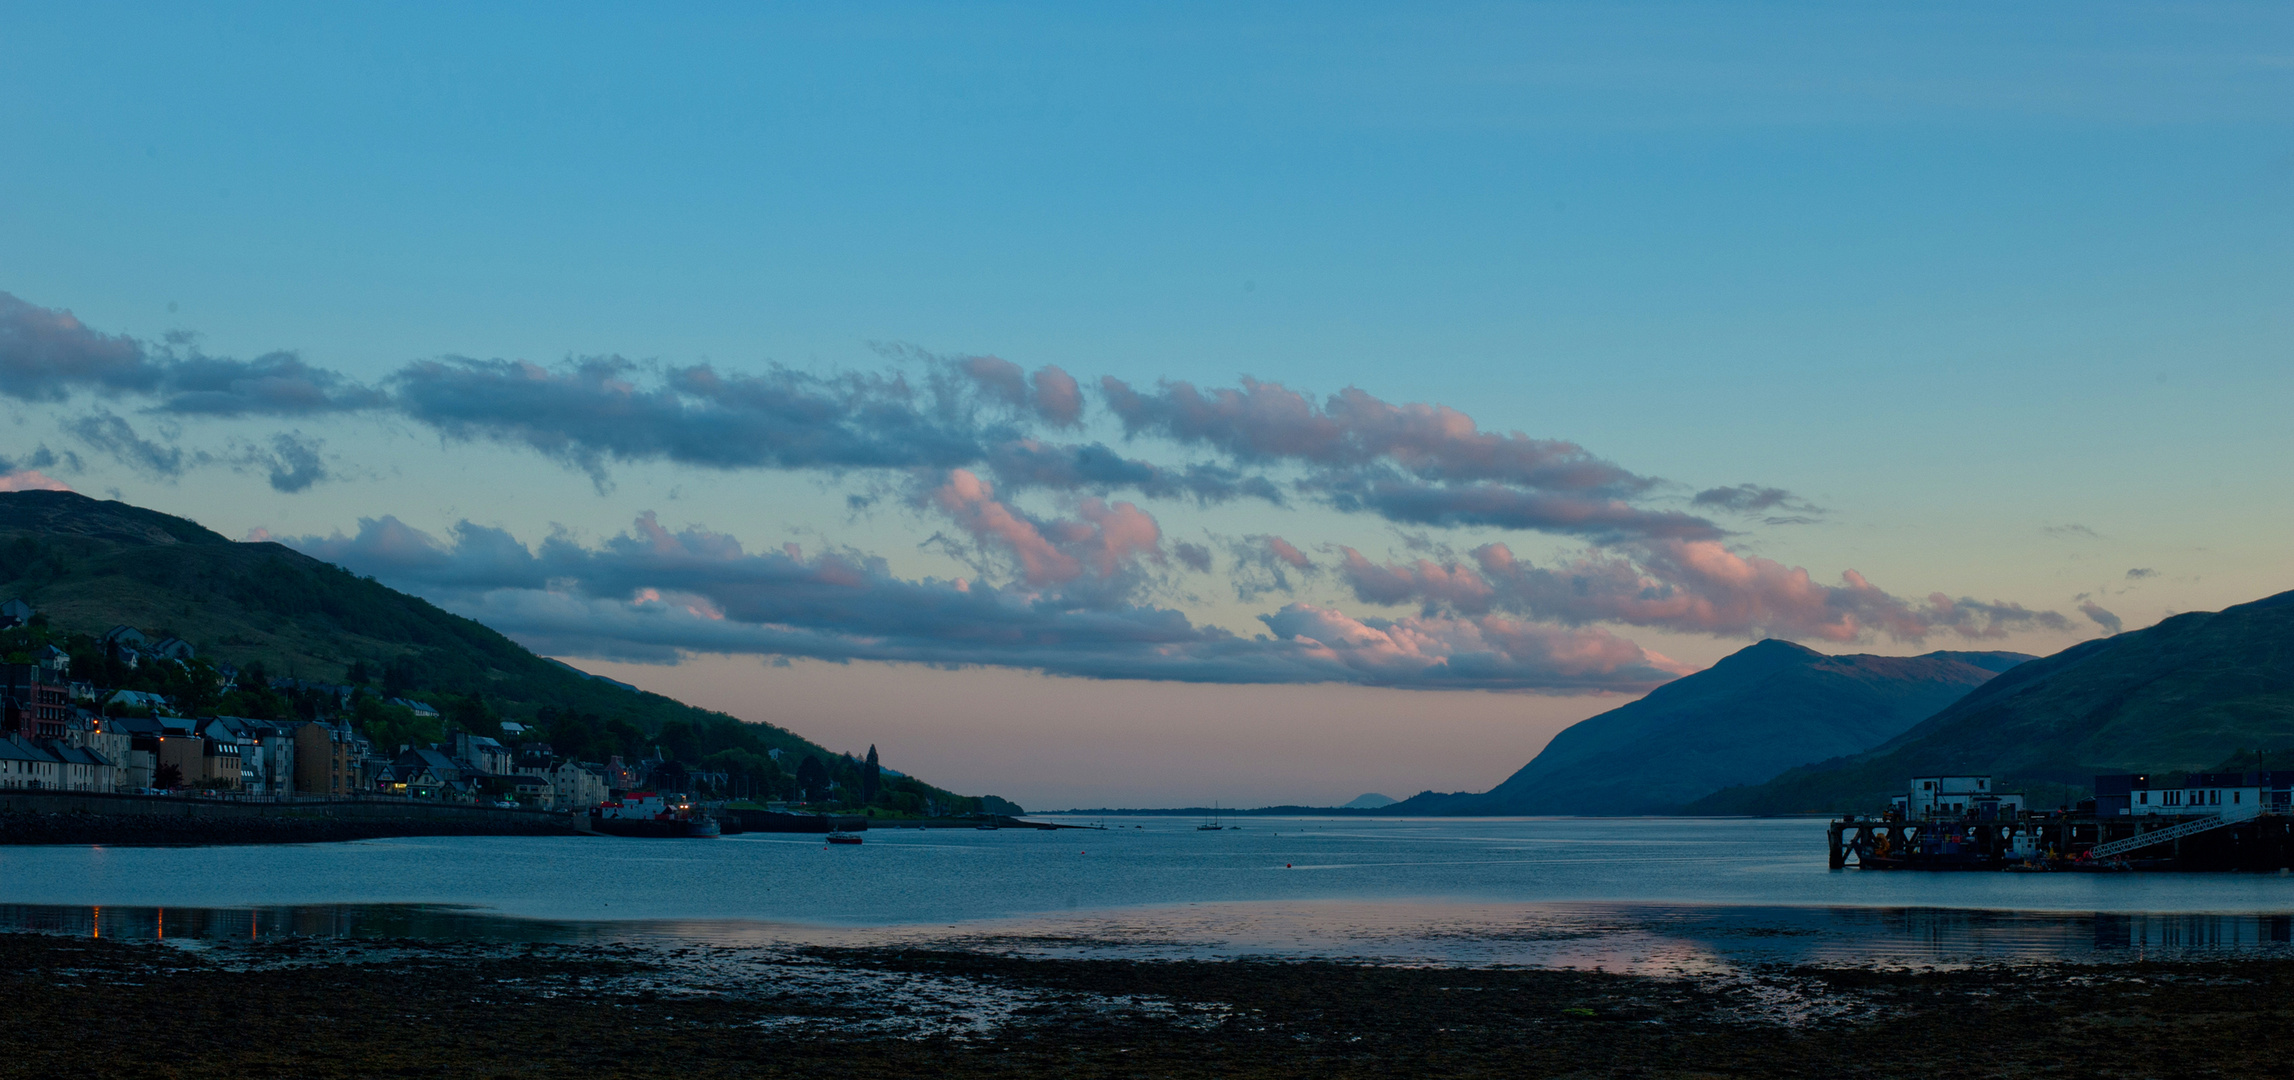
<point x="2188" y="692"/>
<point x="1761" y="710"/>
<point x="91" y="564"/>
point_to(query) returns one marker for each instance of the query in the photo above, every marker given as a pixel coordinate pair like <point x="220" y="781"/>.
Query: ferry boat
<point x="843" y="838"/>
<point x="650" y="814"/>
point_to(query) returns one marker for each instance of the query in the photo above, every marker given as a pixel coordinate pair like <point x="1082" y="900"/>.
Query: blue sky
<point x="2002" y="292"/>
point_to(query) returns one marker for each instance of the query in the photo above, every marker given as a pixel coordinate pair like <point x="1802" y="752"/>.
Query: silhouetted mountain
<point x="1756" y="713"/>
<point x="2188" y="693"/>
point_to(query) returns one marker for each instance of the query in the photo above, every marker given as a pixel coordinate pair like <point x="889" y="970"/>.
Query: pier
<point x="2198" y="821"/>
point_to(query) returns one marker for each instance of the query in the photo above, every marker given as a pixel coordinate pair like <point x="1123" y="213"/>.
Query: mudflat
<point x="396" y="1008"/>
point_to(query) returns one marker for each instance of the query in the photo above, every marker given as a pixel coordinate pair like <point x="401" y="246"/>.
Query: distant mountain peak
<point x="2188" y="692"/>
<point x="1759" y="711"/>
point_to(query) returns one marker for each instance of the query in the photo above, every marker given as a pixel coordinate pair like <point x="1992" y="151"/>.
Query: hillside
<point x="2188" y="693"/>
<point x="1756" y="713"/>
<point x="89" y="565"/>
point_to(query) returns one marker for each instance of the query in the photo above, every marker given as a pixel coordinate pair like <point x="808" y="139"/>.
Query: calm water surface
<point x="1578" y="892"/>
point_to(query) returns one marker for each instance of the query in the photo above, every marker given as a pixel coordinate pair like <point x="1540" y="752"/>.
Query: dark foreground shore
<point x="334" y="1008"/>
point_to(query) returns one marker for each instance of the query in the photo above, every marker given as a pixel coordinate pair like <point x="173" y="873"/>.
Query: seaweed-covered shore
<point x="361" y="1008"/>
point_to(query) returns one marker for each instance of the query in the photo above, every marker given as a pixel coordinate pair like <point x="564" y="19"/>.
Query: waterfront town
<point x="87" y="719"/>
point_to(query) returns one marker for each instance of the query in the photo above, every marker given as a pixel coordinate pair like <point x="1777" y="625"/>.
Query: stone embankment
<point x="61" y="817"/>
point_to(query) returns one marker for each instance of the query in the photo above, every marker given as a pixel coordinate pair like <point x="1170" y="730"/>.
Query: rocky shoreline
<point x="358" y="1008"/>
<point x="117" y="829"/>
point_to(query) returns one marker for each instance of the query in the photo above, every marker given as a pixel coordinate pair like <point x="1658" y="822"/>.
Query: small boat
<point x="843" y="838"/>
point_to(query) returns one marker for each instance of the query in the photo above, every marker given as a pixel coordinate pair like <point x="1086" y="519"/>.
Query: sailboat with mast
<point x="1213" y="824"/>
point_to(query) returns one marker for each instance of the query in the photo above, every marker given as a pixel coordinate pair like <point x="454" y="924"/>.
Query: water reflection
<point x="1615" y="937"/>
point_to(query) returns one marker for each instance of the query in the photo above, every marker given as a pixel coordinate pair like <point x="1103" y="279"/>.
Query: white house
<point x="1953" y="796"/>
<point x="23" y="765"/>
<point x="2201" y="793"/>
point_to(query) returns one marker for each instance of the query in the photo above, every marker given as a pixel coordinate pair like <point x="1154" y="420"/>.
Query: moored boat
<point x="652" y="815"/>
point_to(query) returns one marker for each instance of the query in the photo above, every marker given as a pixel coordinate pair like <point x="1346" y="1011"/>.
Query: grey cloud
<point x="1406" y="499"/>
<point x="1264" y="421"/>
<point x="594" y="410"/>
<point x="292" y="461"/>
<point x="1194" y="557"/>
<point x="118" y="438"/>
<point x="1754" y="499"/>
<point x="275" y="384"/>
<point x="2141" y="572"/>
<point x="2072" y="531"/>
<point x="46" y="354"/>
<point x="2110" y="623"/>
<point x="655" y="594"/>
<point x="1266" y="564"/>
<point x="1028" y="463"/>
<point x="1683" y="586"/>
<point x="42" y="458"/>
<point x="1050" y="393"/>
<point x="1413" y="464"/>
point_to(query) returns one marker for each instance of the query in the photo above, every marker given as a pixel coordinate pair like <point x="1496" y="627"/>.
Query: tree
<point x="254" y="697"/>
<point x="393" y="726"/>
<point x="472" y="714"/>
<point x="812" y="779"/>
<point x="167" y="777"/>
<point x="397" y="677"/>
<point x="680" y="741"/>
<point x="871" y="776"/>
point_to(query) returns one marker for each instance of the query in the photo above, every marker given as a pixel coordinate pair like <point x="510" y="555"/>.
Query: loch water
<point x="1643" y="893"/>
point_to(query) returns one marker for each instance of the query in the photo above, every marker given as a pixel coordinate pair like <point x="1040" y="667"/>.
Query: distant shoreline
<point x="1388" y="811"/>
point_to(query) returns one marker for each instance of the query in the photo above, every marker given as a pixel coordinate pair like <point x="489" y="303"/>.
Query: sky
<point x="1118" y="405"/>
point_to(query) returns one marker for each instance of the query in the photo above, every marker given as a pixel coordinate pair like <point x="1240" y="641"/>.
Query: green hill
<point x="90" y="565"/>
<point x="1759" y="711"/>
<point x="2189" y="693"/>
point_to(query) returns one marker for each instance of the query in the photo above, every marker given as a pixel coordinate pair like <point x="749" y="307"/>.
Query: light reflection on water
<point x="1645" y="895"/>
<point x="1651" y="939"/>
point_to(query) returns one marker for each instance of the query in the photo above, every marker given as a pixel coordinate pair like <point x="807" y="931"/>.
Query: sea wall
<point x="73" y="817"/>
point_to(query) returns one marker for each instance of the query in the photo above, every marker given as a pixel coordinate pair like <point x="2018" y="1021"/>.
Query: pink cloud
<point x="30" y="480"/>
<point x="1263" y="420"/>
<point x="1489" y="650"/>
<point x="1057" y="396"/>
<point x="1687" y="586"/>
<point x="653" y="594"/>
<point x="999" y="377"/>
<point x="1284" y="550"/>
<point x="1102" y="540"/>
<point x="972" y="503"/>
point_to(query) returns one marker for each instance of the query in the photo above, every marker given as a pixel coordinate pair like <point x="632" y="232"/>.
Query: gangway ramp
<point x="2139" y="841"/>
